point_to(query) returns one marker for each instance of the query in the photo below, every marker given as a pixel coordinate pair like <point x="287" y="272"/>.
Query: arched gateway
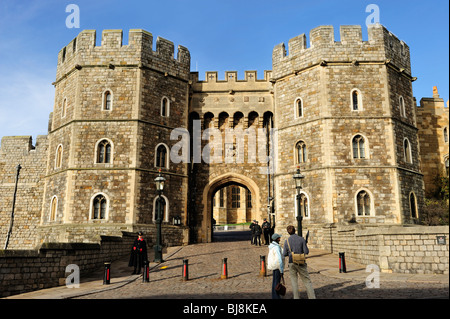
<point x="213" y="186"/>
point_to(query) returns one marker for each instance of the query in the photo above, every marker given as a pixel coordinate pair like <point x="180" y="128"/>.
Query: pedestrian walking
<point x="275" y="262"/>
<point x="252" y="228"/>
<point x="258" y="232"/>
<point x="138" y="254"/>
<point x="266" y="231"/>
<point x="297" y="245"/>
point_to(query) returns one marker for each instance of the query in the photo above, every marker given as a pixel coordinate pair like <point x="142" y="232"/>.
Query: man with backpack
<point x="293" y="246"/>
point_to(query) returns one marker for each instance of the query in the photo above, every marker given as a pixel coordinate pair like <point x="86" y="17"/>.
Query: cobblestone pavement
<point x="244" y="282"/>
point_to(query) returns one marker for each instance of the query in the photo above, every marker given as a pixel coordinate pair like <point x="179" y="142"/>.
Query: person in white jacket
<point x="275" y="262"/>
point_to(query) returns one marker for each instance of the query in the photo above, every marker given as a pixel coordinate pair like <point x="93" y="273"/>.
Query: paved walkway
<point x="244" y="281"/>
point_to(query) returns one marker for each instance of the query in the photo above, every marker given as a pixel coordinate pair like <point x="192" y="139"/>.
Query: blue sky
<point x="225" y="35"/>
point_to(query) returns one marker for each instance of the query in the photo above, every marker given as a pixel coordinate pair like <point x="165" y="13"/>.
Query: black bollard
<point x="224" y="269"/>
<point x="107" y="274"/>
<point x="262" y="271"/>
<point x="146" y="274"/>
<point x="342" y="267"/>
<point x="185" y="270"/>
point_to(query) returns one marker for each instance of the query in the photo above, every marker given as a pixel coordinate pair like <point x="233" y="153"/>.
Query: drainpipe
<point x="13" y="206"/>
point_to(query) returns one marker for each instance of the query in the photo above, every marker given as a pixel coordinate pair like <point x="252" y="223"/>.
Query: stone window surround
<point x="167" y="155"/>
<point x="401" y="105"/>
<point x="64" y="108"/>
<point x="296" y="116"/>
<point x="167" y="111"/>
<point x="414" y="214"/>
<point x="166" y="212"/>
<point x="104" y="100"/>
<point x="366" y="147"/>
<point x="360" y="100"/>
<point x="372" y="203"/>
<point x="304" y="152"/>
<point x="96" y="151"/>
<point x="91" y="207"/>
<point x="53" y="214"/>
<point x="309" y="205"/>
<point x="59" y="156"/>
<point x="407" y="153"/>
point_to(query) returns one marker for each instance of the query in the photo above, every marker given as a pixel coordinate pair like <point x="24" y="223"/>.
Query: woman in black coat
<point x="138" y="254"/>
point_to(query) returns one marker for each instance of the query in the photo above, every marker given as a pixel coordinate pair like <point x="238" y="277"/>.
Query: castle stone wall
<point x="432" y="119"/>
<point x="17" y="150"/>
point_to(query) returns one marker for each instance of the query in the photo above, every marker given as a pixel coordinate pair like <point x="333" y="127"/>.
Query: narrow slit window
<point x="161" y="156"/>
<point x="355" y="101"/>
<point x="107" y="101"/>
<point x="407" y="150"/>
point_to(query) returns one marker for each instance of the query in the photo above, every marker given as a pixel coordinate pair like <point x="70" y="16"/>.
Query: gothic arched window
<point x="59" y="154"/>
<point x="358" y="144"/>
<point x="53" y="208"/>
<point x="104" y="152"/>
<point x="298" y="107"/>
<point x="107" y="101"/>
<point x="407" y="151"/>
<point x="413" y="205"/>
<point x="99" y="207"/>
<point x="356" y="100"/>
<point x="161" y="156"/>
<point x="165" y="107"/>
<point x="363" y="203"/>
<point x="304" y="205"/>
<point x="402" y="106"/>
<point x="301" y="155"/>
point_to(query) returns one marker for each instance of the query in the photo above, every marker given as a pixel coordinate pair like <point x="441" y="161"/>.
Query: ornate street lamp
<point x="298" y="178"/>
<point x="159" y="182"/>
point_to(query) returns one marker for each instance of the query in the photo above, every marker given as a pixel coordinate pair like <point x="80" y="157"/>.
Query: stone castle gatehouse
<point x="343" y="111"/>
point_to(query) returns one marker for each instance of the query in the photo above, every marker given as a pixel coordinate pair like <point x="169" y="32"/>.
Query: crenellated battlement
<point x="231" y="76"/>
<point x="10" y="144"/>
<point x="83" y="52"/>
<point x="231" y="81"/>
<point x="382" y="46"/>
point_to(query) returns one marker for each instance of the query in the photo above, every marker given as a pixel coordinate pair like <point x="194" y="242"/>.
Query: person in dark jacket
<point x="252" y="228"/>
<point x="296" y="244"/>
<point x="138" y="254"/>
<point x="258" y="232"/>
<point x="266" y="231"/>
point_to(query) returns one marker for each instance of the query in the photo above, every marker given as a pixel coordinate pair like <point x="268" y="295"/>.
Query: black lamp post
<point x="298" y="178"/>
<point x="159" y="182"/>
